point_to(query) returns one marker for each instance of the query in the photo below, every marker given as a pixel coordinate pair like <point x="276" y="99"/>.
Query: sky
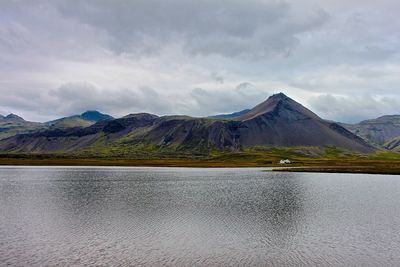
<point x="340" y="58"/>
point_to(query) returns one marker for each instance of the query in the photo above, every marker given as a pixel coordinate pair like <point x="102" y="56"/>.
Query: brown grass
<point x="371" y="167"/>
<point x="123" y="162"/>
<point x="306" y="165"/>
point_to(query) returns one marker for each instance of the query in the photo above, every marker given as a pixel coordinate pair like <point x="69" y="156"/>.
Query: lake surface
<point x="201" y="217"/>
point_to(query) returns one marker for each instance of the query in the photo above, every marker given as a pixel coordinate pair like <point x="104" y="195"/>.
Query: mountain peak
<point x="282" y="102"/>
<point x="279" y="96"/>
<point x="13" y="117"/>
<point x="94" y="115"/>
<point x="90" y="112"/>
<point x="267" y="106"/>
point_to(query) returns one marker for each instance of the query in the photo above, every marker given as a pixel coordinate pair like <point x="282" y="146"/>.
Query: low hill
<point x="12" y="124"/>
<point x="84" y="120"/>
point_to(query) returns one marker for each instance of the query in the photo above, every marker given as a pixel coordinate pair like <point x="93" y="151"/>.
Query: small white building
<point x="285" y="161"/>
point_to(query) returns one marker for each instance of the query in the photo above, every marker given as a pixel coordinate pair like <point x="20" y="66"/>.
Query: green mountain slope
<point x="393" y="144"/>
<point x="12" y="124"/>
<point x="84" y="120"/>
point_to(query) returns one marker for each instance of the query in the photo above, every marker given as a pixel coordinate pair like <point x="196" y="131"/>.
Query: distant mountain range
<point x="84" y="120"/>
<point x="379" y="132"/>
<point x="230" y="115"/>
<point x="278" y="121"/>
<point x="12" y="124"/>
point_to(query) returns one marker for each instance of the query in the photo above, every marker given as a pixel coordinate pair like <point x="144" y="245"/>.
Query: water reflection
<point x="284" y="202"/>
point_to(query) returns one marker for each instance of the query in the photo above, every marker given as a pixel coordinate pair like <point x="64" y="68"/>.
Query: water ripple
<point x="196" y="217"/>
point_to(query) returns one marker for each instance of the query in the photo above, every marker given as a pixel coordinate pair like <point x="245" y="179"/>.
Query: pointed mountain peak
<point x="267" y="106"/>
<point x="275" y="103"/>
<point x="94" y="115"/>
<point x="279" y="96"/>
<point x="14" y="117"/>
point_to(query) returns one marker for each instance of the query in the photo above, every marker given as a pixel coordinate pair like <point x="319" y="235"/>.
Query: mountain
<point x="94" y="115"/>
<point x="230" y="115"/>
<point x="13" y="118"/>
<point x="377" y="131"/>
<point x="12" y="124"/>
<point x="278" y="121"/>
<point x="281" y="121"/>
<point x="84" y="120"/>
<point x="70" y="122"/>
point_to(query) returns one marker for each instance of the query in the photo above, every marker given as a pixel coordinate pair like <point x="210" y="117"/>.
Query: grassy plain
<point x="304" y="159"/>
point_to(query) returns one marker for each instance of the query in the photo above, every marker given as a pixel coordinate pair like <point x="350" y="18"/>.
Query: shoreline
<point x="341" y="169"/>
<point x="312" y="166"/>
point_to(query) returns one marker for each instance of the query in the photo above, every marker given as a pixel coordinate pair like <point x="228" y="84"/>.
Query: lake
<point x="78" y="216"/>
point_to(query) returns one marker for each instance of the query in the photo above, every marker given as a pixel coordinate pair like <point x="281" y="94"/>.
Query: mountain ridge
<point x="12" y="117"/>
<point x="230" y="115"/>
<point x="376" y="131"/>
<point x="278" y="121"/>
<point x="85" y="119"/>
<point x="12" y="124"/>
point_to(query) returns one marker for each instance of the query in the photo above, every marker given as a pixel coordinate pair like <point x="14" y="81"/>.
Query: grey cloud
<point x="242" y="87"/>
<point x="249" y="29"/>
<point x="77" y="97"/>
<point x="343" y="79"/>
<point x="352" y="108"/>
<point x="217" y="77"/>
<point x="36" y="29"/>
<point x="243" y="96"/>
<point x="19" y="98"/>
<point x="172" y="46"/>
<point x="276" y="39"/>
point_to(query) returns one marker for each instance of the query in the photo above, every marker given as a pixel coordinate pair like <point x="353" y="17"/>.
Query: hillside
<point x="393" y="144"/>
<point x="12" y="124"/>
<point x="278" y="121"/>
<point x="230" y="115"/>
<point x="377" y="131"/>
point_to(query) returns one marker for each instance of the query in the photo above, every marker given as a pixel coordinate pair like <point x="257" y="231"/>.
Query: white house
<point x="285" y="161"/>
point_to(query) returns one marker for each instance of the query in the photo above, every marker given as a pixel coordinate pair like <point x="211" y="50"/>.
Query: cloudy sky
<point x="339" y="58"/>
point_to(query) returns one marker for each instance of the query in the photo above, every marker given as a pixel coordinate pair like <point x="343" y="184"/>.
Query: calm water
<point x="201" y="217"/>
